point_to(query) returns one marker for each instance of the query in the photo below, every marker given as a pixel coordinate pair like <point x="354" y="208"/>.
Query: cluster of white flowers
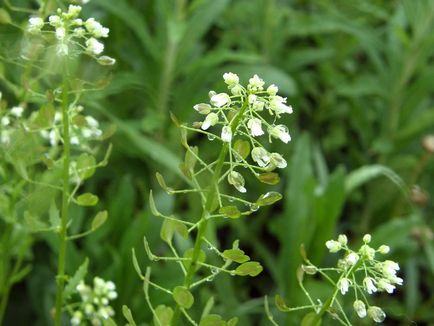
<point x="95" y="302"/>
<point x="8" y="120"/>
<point x="82" y="128"/>
<point x="71" y="33"/>
<point x="253" y="100"/>
<point x="375" y="275"/>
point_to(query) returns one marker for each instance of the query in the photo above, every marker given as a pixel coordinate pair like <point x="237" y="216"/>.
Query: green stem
<point x="60" y="278"/>
<point x="208" y="209"/>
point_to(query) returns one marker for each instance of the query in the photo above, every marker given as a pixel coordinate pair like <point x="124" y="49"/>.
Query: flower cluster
<point x="73" y="34"/>
<point x="241" y="116"/>
<point x="8" y="119"/>
<point x="362" y="272"/>
<point x="82" y="128"/>
<point x="94" y="305"/>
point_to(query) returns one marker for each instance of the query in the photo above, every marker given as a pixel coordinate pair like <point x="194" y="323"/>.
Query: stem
<point x="208" y="208"/>
<point x="60" y="278"/>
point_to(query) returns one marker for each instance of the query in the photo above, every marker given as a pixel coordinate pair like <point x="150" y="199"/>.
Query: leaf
<point x="232" y="322"/>
<point x="242" y="148"/>
<point x="136" y="263"/>
<point x="269" y="198"/>
<point x="189" y="254"/>
<point x="128" y="316"/>
<point x="212" y="320"/>
<point x="5" y="18"/>
<point x="230" y="211"/>
<point x="79" y="275"/>
<point x="163" y="315"/>
<point x="99" y="219"/>
<point x="251" y="268"/>
<point x="237" y="255"/>
<point x="162" y="183"/>
<point x="44" y="118"/>
<point x="310" y="319"/>
<point x="270" y="178"/>
<point x="183" y="297"/>
<point x="85" y="166"/>
<point x="280" y="303"/>
<point x="169" y="228"/>
<point x="364" y="174"/>
<point x="87" y="199"/>
<point x="152" y="205"/>
<point x="190" y="159"/>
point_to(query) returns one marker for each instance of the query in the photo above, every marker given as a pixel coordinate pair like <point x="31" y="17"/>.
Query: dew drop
<point x="211" y="137"/>
<point x="254" y="207"/>
<point x="214" y="270"/>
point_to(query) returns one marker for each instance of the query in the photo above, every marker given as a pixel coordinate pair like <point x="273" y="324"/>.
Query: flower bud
<point x="377" y="314"/>
<point x="360" y="308"/>
<point x="202" y="108"/>
<point x="237" y="180"/>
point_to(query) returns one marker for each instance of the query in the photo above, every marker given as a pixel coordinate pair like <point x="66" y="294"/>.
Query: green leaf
<point x="212" y="320"/>
<point x="232" y="322"/>
<point x="163" y="315"/>
<point x="270" y="178"/>
<point x="310" y="319"/>
<point x="269" y="198"/>
<point x="242" y="148"/>
<point x="183" y="297"/>
<point x="5" y="18"/>
<point x="190" y="159"/>
<point x="85" y="166"/>
<point x="44" y="118"/>
<point x="280" y="303"/>
<point x="136" y="263"/>
<point x="237" y="255"/>
<point x="99" y="219"/>
<point x="251" y="268"/>
<point x="79" y="275"/>
<point x="87" y="199"/>
<point x="152" y="205"/>
<point x="162" y="183"/>
<point x="230" y="211"/>
<point x="189" y="254"/>
<point x="128" y="316"/>
<point x="169" y="228"/>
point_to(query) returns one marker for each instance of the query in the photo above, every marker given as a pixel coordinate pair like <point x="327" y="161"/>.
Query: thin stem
<point x="60" y="278"/>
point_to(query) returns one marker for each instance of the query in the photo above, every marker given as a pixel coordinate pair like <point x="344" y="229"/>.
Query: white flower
<point x="367" y="251"/>
<point x="202" y="108"/>
<point x="96" y="29"/>
<point x="74" y="140"/>
<point x="210" y="120"/>
<point x="383" y="249"/>
<point x="344" y="285"/>
<point x="92" y="122"/>
<point x="389" y="268"/>
<point x="237" y="180"/>
<point x="369" y="284"/>
<point x="280" y="132"/>
<point x="60" y="33"/>
<point x="55" y="21"/>
<point x="260" y="156"/>
<point x="237" y="90"/>
<point x="255" y="84"/>
<point x="384" y="285"/>
<point x="76" y="318"/>
<point x="360" y="308"/>
<point x="277" y="104"/>
<point x="342" y="239"/>
<point x="77" y="22"/>
<point x="258" y="105"/>
<point x="272" y="90"/>
<point x="5" y="121"/>
<point x="367" y="238"/>
<point x="5" y="137"/>
<point x="62" y="49"/>
<point x="220" y="99"/>
<point x="106" y="60"/>
<point x="252" y="98"/>
<point x="74" y="11"/>
<point x="277" y="160"/>
<point x="17" y="111"/>
<point x="254" y="125"/>
<point x="94" y="47"/>
<point x="231" y="79"/>
<point x="377" y="314"/>
<point x="35" y="25"/>
<point x="333" y="246"/>
<point x="352" y="258"/>
<point x="79" y="32"/>
<point x="226" y="134"/>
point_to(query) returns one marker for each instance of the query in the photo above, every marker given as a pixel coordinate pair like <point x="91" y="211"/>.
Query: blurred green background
<point x="360" y="77"/>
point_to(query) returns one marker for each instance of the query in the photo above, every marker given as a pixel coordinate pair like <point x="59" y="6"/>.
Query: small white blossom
<point x="272" y="90"/>
<point x="352" y="258"/>
<point x="369" y="284"/>
<point x="344" y="285"/>
<point x="60" y="33"/>
<point x="255" y="84"/>
<point x="260" y="156"/>
<point x="210" y="120"/>
<point x="55" y="21"/>
<point x="343" y="240"/>
<point x="333" y="246"/>
<point x="367" y="238"/>
<point x="76" y="318"/>
<point x="383" y="249"/>
<point x="237" y="180"/>
<point x="79" y="32"/>
<point x="202" y="108"/>
<point x="277" y="160"/>
<point x="74" y="11"/>
<point x="94" y="47"/>
<point x="254" y="125"/>
<point x="367" y="251"/>
<point x="220" y="99"/>
<point x="277" y="104"/>
<point x="35" y="25"/>
<point x="62" y="49"/>
<point x="5" y="121"/>
<point x="226" y="134"/>
<point x="95" y="28"/>
<point x="384" y="285"/>
<point x="17" y="111"/>
<point x="280" y="132"/>
<point x="360" y="308"/>
<point x="231" y="79"/>
<point x="377" y="314"/>
<point x="389" y="268"/>
<point x="237" y="90"/>
<point x="252" y="98"/>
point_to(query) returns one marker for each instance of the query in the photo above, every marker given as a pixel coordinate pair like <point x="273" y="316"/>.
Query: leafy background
<point x="360" y="76"/>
